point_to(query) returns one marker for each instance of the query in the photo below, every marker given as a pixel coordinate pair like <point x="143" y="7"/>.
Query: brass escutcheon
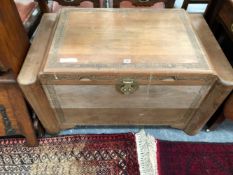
<point x="127" y="86"/>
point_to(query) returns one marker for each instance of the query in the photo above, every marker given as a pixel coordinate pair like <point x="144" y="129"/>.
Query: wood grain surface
<point x="101" y="96"/>
<point x="13" y="38"/>
<point x="124" y="40"/>
<point x="123" y="117"/>
<point x="217" y="77"/>
<point x="28" y="76"/>
<point x="16" y="120"/>
<point x="222" y="88"/>
<point x="216" y="57"/>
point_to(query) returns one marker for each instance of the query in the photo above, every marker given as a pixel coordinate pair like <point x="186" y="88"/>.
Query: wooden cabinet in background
<point x="14" y="42"/>
<point x="14" y="116"/>
<point x="219" y="16"/>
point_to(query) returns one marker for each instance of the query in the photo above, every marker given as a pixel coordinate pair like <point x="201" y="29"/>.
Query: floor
<point x="224" y="133"/>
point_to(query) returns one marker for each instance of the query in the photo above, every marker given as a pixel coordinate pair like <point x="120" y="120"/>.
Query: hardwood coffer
<point x="127" y="67"/>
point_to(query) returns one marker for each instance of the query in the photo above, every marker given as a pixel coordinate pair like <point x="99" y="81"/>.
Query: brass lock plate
<point x="127" y="86"/>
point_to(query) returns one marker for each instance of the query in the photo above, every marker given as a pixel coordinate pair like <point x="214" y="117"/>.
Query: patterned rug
<point x="185" y="158"/>
<point x="114" y="154"/>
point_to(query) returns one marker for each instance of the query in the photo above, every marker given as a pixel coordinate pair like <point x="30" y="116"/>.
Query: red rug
<point x="182" y="158"/>
<point x="113" y="154"/>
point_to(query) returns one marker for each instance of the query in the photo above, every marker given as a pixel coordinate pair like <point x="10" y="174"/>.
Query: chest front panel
<point x="156" y="103"/>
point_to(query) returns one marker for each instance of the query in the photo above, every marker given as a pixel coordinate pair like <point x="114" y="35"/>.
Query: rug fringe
<point x="146" y="150"/>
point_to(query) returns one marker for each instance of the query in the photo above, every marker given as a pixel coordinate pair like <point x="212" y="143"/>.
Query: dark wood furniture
<point x="55" y="5"/>
<point x="144" y="3"/>
<point x="87" y="84"/>
<point x="224" y="112"/>
<point x="187" y="2"/>
<point x="219" y="16"/>
<point x="220" y="19"/>
<point x="14" y="117"/>
<point x="14" y="44"/>
<point x="228" y="108"/>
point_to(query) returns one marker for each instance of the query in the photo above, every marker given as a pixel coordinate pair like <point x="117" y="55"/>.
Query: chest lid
<point x="124" y="41"/>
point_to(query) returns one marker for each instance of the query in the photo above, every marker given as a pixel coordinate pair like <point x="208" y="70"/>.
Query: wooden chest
<point x="123" y="67"/>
